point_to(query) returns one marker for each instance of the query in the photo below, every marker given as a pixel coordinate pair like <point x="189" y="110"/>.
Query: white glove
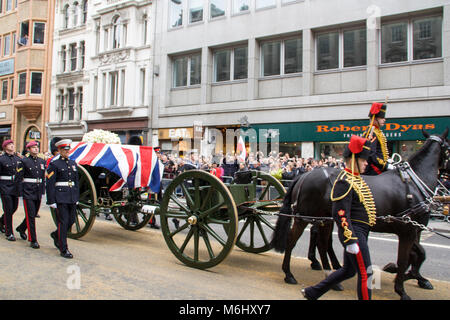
<point x="53" y="205"/>
<point x="352" y="248"/>
<point x="390" y="167"/>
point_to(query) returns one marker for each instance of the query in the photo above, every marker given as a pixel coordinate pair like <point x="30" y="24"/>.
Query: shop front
<point x="328" y="138"/>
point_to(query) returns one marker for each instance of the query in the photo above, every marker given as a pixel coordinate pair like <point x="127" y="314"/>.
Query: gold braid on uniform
<point x="383" y="143"/>
<point x="364" y="193"/>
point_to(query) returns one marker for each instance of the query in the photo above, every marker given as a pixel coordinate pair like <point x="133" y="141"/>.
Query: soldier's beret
<point x="6" y="142"/>
<point x="32" y="144"/>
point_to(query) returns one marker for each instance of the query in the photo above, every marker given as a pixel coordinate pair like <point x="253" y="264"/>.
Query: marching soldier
<point x="11" y="171"/>
<point x="354" y="211"/>
<point x="33" y="187"/>
<point x="378" y="160"/>
<point x="63" y="194"/>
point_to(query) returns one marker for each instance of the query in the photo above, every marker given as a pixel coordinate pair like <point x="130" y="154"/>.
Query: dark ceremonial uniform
<point x="379" y="154"/>
<point x="11" y="171"/>
<point x="62" y="189"/>
<point x="33" y="187"/>
<point x="353" y="209"/>
<point x="379" y="150"/>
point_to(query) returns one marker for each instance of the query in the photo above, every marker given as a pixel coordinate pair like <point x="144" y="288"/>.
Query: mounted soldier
<point x="378" y="160"/>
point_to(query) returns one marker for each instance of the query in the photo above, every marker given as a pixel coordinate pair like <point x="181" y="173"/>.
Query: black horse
<point x="309" y="195"/>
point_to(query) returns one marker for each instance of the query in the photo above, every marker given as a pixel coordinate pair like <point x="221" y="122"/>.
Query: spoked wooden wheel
<point x="256" y="231"/>
<point x="198" y="219"/>
<point x="133" y="219"/>
<point x="86" y="214"/>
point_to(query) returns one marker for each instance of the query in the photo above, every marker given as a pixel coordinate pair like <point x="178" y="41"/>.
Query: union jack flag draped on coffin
<point x="138" y="166"/>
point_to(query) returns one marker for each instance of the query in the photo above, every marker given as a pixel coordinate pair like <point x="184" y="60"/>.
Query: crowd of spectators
<point x="282" y="166"/>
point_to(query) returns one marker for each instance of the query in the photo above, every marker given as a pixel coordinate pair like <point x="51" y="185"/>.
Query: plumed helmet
<point x="378" y="110"/>
<point x="359" y="146"/>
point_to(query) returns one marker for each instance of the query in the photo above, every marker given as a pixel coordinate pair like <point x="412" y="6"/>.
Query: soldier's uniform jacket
<point x="62" y="181"/>
<point x="11" y="173"/>
<point x="356" y="206"/>
<point x="33" y="185"/>
<point x="379" y="152"/>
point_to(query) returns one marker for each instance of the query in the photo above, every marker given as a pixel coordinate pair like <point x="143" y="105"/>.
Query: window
<point x="281" y="57"/>
<point x="82" y="53"/>
<point x="63" y="58"/>
<point x="14" y="42"/>
<point x="399" y="45"/>
<point x="265" y="3"/>
<point x="195" y="11"/>
<point x="36" y="82"/>
<point x="73" y="57"/>
<point x="144" y="29"/>
<point x="176" y="13"/>
<point x="8" y="5"/>
<point x="24" y="33"/>
<point x="355" y="48"/>
<point x="293" y="56"/>
<point x="117" y="29"/>
<point x="11" y="90"/>
<point x="230" y="64"/>
<point x="71" y="103"/>
<point x="66" y="16"/>
<point x="7" y="45"/>
<point x="75" y="13"/>
<point x="217" y="8"/>
<point x="394" y="44"/>
<point x="4" y="90"/>
<point x="22" y="83"/>
<point x="341" y="49"/>
<point x="241" y="6"/>
<point x="1" y="6"/>
<point x="85" y="11"/>
<point x="39" y="33"/>
<point x="113" y="88"/>
<point x="427" y="38"/>
<point x="187" y="71"/>
<point x="142" y="81"/>
<point x="80" y="102"/>
<point x="61" y="105"/>
<point x="328" y="51"/>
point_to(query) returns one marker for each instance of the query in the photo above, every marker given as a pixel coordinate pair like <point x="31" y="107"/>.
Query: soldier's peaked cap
<point x="64" y="143"/>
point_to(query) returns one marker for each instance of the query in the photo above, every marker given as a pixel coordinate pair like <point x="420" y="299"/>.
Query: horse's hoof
<point x="391" y="268"/>
<point x="405" y="297"/>
<point x="425" y="284"/>
<point x="315" y="265"/>
<point x="290" y="280"/>
<point x="338" y="287"/>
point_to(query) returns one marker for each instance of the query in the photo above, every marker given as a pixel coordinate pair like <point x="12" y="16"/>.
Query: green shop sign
<point x="395" y="129"/>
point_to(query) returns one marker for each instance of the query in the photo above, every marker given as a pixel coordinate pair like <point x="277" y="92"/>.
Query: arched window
<point x="66" y="16"/>
<point x="117" y="30"/>
<point x="75" y="13"/>
<point x="85" y="11"/>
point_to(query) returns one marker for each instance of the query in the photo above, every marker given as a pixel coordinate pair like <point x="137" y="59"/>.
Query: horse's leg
<point x="404" y="251"/>
<point x="334" y="260"/>
<point x="314" y="232"/>
<point x="325" y="232"/>
<point x="417" y="258"/>
<point x="294" y="234"/>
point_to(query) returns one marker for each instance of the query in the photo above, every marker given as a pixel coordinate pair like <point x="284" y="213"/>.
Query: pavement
<point x="439" y="225"/>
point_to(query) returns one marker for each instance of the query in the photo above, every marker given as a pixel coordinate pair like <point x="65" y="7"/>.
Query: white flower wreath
<point x="101" y="136"/>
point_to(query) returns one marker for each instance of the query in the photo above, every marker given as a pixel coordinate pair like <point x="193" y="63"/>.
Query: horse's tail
<point x="281" y="233"/>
